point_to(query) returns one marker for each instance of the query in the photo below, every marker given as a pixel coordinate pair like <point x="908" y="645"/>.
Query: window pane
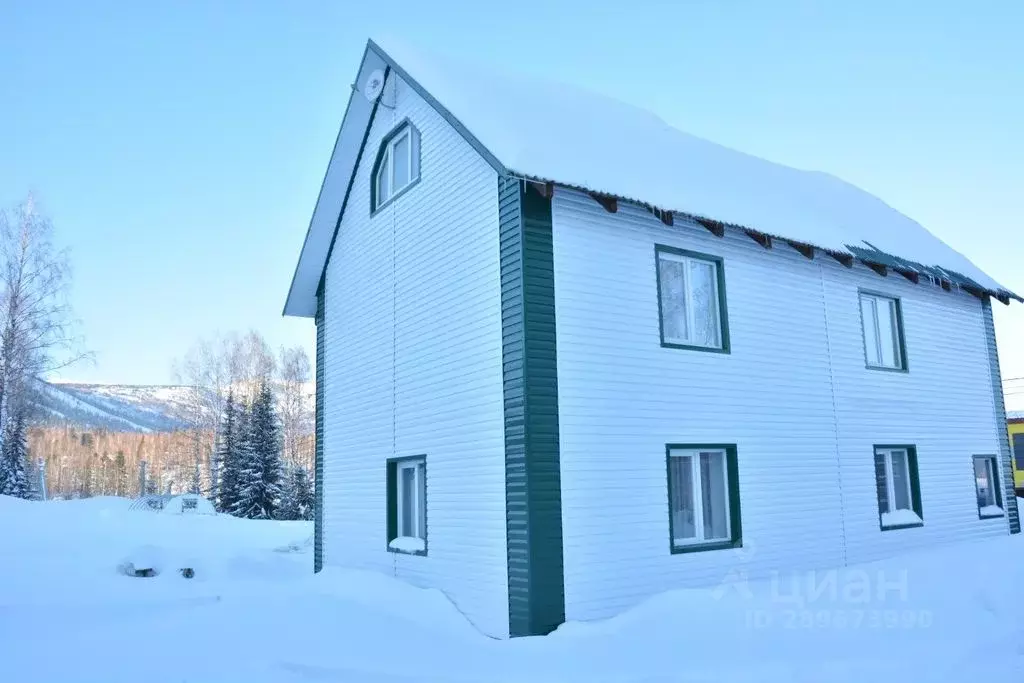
<point x="900" y="480"/>
<point x="867" y="312"/>
<point x="714" y="502"/>
<point x="704" y="300"/>
<point x="407" y="524"/>
<point x="683" y="522"/>
<point x="673" y="299"/>
<point x="383" y="176"/>
<point x="887" y="331"/>
<point x="983" y="479"/>
<point x="400" y="160"/>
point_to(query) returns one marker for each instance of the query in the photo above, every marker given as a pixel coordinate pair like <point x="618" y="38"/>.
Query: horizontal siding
<point x="807" y="487"/>
<point x="413" y="366"/>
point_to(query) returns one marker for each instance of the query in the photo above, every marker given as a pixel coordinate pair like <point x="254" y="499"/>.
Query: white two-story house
<point x="569" y="357"/>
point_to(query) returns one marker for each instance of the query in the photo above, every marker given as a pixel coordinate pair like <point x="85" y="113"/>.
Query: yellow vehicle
<point x="1015" y="424"/>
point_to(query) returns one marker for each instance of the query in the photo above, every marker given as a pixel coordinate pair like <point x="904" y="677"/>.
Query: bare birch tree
<point x="37" y="330"/>
<point x="295" y="407"/>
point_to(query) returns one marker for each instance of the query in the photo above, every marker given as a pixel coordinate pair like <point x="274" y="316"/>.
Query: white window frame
<point x="418" y="466"/>
<point x="876" y="341"/>
<point x="666" y="254"/>
<point x="697" y="492"/>
<point x="890" y="482"/>
<point x="387" y="165"/>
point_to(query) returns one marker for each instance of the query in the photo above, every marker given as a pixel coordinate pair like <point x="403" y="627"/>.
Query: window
<point x="398" y="164"/>
<point x="407" y="505"/>
<point x="899" y="489"/>
<point x="691" y="300"/>
<point x="704" y="500"/>
<point x="986" y="482"/>
<point x="1018" y="452"/>
<point x="882" y="320"/>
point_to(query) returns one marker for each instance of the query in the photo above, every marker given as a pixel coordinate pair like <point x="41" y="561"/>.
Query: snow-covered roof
<point x="568" y="136"/>
<point x="1015" y="414"/>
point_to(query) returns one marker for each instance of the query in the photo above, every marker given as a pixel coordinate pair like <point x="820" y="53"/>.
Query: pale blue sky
<point x="179" y="147"/>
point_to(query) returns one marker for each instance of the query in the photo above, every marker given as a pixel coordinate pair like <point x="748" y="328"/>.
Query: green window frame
<point x="396" y="169"/>
<point x="674" y="269"/>
<point x="407" y="505"/>
<point x="697" y="474"/>
<point x="881" y="324"/>
<point x="898" y="485"/>
<point x="986" y="486"/>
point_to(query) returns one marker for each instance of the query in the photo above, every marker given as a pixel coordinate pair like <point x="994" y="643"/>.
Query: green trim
<point x="900" y="331"/>
<point x="995" y="484"/>
<point x="391" y="469"/>
<point x="999" y="416"/>
<point x="735" y="520"/>
<point x="723" y="310"/>
<point x="414" y="140"/>
<point x="318" y="457"/>
<point x="533" y="504"/>
<point x="352" y="178"/>
<point x="915" y="486"/>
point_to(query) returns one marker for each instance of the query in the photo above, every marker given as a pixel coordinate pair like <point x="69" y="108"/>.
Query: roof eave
<point x="1002" y="295"/>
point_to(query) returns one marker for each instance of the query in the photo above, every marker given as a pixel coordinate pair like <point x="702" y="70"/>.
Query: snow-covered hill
<point x="117" y="407"/>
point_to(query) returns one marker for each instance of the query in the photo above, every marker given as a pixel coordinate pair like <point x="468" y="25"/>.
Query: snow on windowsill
<point x="991" y="511"/>
<point x="900" y="518"/>
<point x="408" y="544"/>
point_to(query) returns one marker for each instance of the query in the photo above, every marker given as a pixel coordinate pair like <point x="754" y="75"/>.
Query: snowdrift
<point x="256" y="613"/>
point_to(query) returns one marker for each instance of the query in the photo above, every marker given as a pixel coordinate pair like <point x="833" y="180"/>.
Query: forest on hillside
<point x="247" y="416"/>
<point x="243" y="418"/>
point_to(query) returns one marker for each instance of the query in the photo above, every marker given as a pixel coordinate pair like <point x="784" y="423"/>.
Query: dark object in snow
<point x="146" y="572"/>
<point x="188" y="572"/>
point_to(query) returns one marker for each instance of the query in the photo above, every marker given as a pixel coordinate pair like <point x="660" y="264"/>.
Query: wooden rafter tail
<point x="844" y="258"/>
<point x="545" y="190"/>
<point x="714" y="227"/>
<point x="759" y="237"/>
<point x="805" y="249"/>
<point x="1004" y="299"/>
<point x="946" y="285"/>
<point x="664" y="216"/>
<point x="975" y="291"/>
<point x="877" y="267"/>
<point x="911" y="275"/>
<point x="610" y="204"/>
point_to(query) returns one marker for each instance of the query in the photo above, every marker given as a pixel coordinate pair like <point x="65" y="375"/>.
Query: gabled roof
<point x="563" y="135"/>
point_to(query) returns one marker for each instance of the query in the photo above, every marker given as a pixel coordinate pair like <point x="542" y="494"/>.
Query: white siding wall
<point x="413" y="366"/>
<point x="622" y="398"/>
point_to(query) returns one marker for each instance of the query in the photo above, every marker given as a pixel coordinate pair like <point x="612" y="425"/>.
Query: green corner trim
<point x="1006" y="467"/>
<point x="318" y="465"/>
<point x="533" y="504"/>
<point x="735" y="520"/>
<point x="723" y="309"/>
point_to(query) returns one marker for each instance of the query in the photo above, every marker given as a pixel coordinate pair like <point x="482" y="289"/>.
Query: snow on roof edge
<point x="500" y="136"/>
<point x="882" y="258"/>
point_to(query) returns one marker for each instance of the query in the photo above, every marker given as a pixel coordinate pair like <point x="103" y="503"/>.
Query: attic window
<point x="397" y="167"/>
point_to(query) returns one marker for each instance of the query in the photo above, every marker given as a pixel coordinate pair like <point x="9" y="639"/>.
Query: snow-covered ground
<point x="254" y="613"/>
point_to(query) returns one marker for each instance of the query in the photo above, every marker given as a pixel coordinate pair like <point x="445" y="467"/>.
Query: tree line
<point x="247" y="440"/>
<point x="258" y="407"/>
